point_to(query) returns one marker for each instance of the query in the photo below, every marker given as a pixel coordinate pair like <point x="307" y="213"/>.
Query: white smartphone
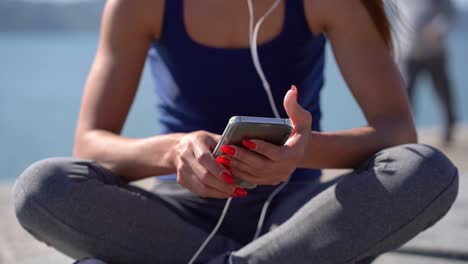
<point x="272" y="130"/>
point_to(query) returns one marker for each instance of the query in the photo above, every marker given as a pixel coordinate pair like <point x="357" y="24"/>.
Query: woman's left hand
<point x="262" y="163"/>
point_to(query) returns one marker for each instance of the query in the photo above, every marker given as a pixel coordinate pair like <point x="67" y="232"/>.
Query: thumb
<point x="301" y="118"/>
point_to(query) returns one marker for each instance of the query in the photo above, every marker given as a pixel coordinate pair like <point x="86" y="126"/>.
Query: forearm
<point x="348" y="149"/>
<point x="131" y="158"/>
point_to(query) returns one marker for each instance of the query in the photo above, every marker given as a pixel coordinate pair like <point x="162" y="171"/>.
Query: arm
<point x="127" y="29"/>
<point x="369" y="71"/>
<point x="367" y="67"/>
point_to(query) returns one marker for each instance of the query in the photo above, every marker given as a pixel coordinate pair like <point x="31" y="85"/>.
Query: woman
<point x="425" y="51"/>
<point x="84" y="207"/>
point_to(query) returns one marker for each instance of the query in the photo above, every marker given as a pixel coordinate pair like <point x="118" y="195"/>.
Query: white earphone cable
<point x="254" y="52"/>
<point x="215" y="229"/>
<point x="266" y="85"/>
<point x="253" y="33"/>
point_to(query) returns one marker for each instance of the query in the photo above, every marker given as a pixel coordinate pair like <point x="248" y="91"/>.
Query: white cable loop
<point x="253" y="34"/>
<point x="261" y="219"/>
<point x="256" y="60"/>
<point x="254" y="51"/>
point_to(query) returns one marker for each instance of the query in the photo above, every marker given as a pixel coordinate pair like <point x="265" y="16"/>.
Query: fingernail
<point x="240" y="192"/>
<point x="227" y="178"/>
<point x="294" y="88"/>
<point x="223" y="161"/>
<point x="249" y="144"/>
<point x="228" y="150"/>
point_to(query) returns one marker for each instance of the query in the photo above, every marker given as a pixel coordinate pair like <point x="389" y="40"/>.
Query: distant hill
<point x="31" y="16"/>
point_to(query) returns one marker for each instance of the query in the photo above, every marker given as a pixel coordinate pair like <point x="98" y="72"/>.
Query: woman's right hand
<point x="198" y="171"/>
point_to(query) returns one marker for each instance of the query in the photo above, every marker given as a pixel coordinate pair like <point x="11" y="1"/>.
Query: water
<point x="41" y="80"/>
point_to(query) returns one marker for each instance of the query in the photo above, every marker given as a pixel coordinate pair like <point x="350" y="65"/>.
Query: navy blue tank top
<point x="200" y="87"/>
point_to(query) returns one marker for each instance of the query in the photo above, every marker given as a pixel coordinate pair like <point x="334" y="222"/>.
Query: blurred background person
<point x="423" y="44"/>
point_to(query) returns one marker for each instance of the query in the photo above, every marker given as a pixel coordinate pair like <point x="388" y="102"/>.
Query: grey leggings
<point x="83" y="210"/>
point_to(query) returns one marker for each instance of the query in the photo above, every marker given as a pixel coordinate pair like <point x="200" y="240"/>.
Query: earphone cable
<point x="215" y="230"/>
<point x="266" y="85"/>
<point x="253" y="34"/>
<point x="254" y="51"/>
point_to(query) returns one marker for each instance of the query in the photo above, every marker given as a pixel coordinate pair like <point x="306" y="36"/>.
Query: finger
<point x="212" y="141"/>
<point x="207" y="161"/>
<point x="222" y="181"/>
<point x="216" y="139"/>
<point x="213" y="181"/>
<point x="235" y="165"/>
<point x="301" y="118"/>
<point x="205" y="190"/>
<point x="250" y="158"/>
<point x="230" y="163"/>
<point x="240" y="167"/>
<point x="271" y="151"/>
<point x="186" y="177"/>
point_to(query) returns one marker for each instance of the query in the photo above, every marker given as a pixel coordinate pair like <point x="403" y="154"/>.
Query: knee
<point x="424" y="171"/>
<point x="38" y="188"/>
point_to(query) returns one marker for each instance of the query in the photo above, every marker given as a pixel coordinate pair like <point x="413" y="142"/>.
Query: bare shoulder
<point x="322" y="14"/>
<point x="146" y="15"/>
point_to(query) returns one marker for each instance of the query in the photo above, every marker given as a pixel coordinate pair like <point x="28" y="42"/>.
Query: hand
<point x="198" y="171"/>
<point x="266" y="164"/>
<point x="432" y="33"/>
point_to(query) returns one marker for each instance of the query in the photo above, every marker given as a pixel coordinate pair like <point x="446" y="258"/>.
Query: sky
<point x="56" y="1"/>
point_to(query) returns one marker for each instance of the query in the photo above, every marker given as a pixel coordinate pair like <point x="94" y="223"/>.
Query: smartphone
<point x="273" y="130"/>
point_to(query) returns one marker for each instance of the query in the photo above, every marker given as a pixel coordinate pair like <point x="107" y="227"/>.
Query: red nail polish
<point x="223" y="161"/>
<point x="227" y="178"/>
<point x="240" y="192"/>
<point x="294" y="88"/>
<point x="228" y="150"/>
<point x="249" y="144"/>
